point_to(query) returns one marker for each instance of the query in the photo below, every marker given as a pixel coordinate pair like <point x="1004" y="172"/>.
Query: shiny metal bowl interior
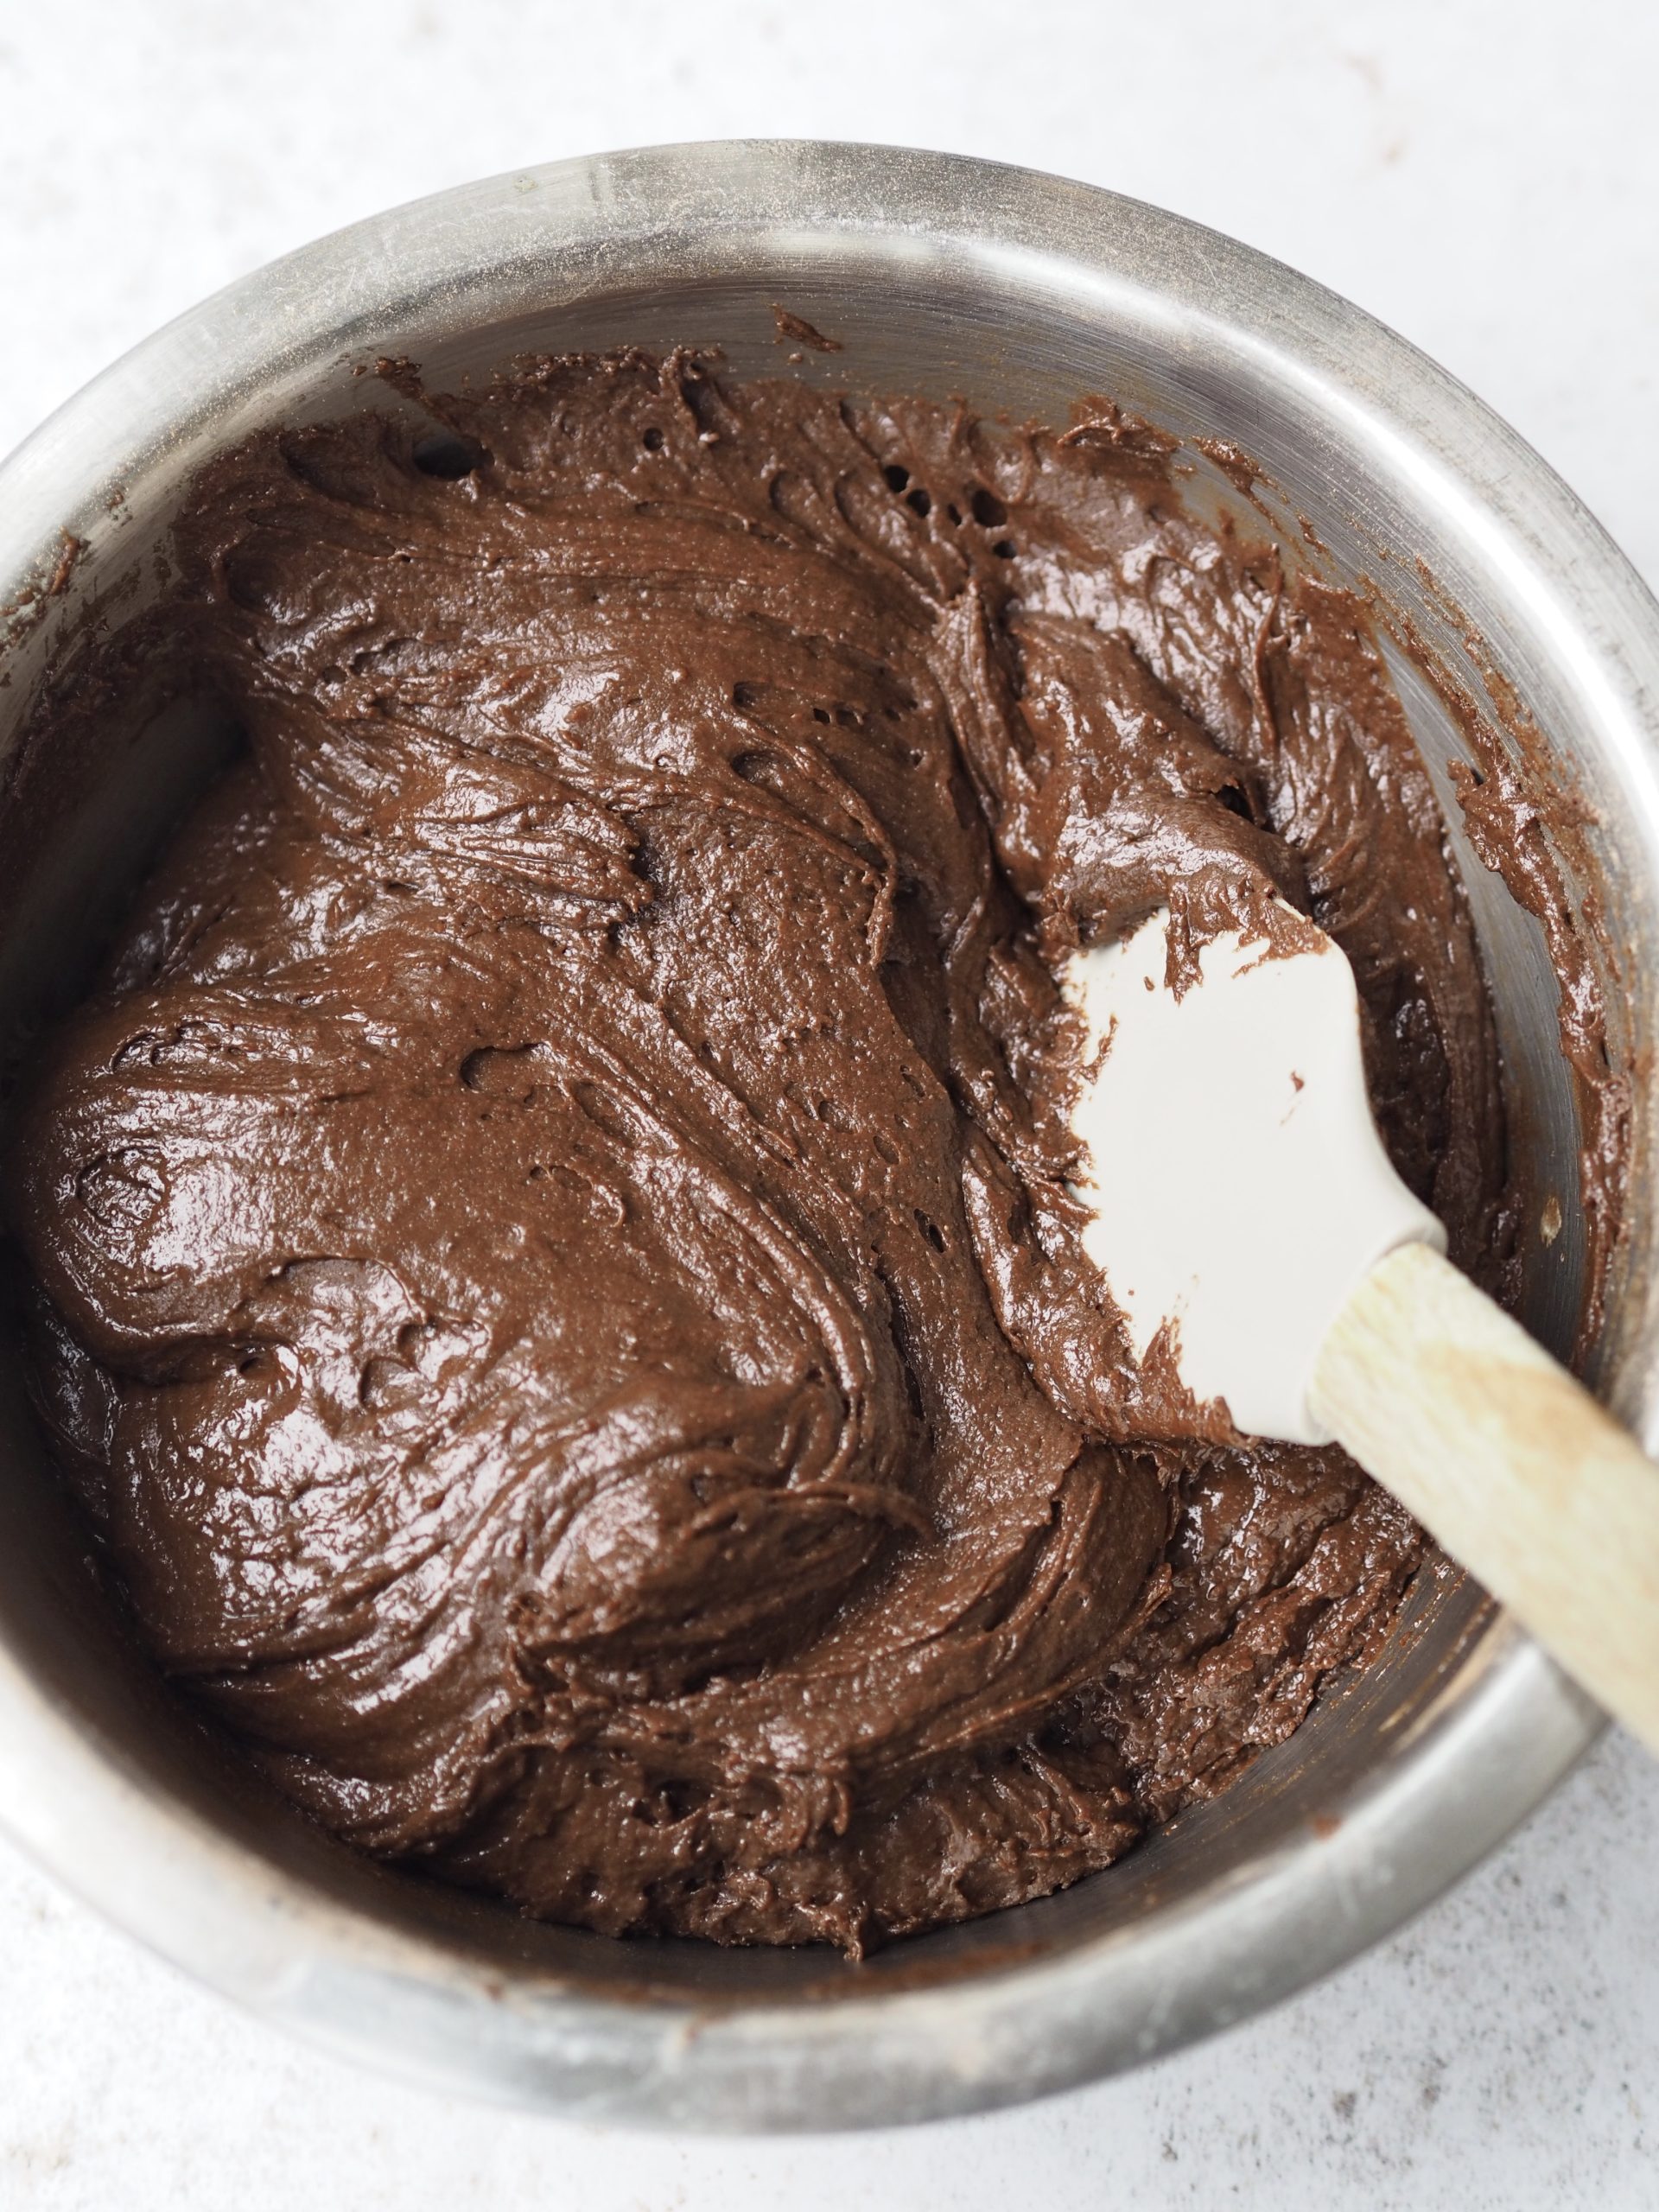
<point x="1023" y="293"/>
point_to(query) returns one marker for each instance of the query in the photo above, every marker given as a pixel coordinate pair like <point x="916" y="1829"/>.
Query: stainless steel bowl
<point x="1023" y="292"/>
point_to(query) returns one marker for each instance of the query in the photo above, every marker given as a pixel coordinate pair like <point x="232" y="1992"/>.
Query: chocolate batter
<point x="558" y="1285"/>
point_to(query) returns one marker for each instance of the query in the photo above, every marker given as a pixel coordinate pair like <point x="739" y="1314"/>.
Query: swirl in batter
<point x="558" y="1282"/>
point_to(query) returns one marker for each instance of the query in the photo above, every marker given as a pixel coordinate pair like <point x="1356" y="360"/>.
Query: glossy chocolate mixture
<point x="558" y="1281"/>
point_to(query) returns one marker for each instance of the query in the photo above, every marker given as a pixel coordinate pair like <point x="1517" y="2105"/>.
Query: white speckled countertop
<point x="1483" y="174"/>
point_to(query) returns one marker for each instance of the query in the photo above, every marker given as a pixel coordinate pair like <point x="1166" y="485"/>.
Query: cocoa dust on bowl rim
<point x="1021" y="292"/>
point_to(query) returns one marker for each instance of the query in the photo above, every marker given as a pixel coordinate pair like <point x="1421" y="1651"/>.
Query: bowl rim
<point x="215" y="1906"/>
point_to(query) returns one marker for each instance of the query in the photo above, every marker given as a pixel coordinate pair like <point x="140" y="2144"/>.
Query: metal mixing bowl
<point x="1022" y="292"/>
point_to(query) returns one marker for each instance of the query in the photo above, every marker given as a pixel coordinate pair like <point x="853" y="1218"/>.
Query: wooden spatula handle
<point x="1510" y="1464"/>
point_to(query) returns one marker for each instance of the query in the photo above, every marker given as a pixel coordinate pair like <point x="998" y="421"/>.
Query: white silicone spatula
<point x="1240" y="1193"/>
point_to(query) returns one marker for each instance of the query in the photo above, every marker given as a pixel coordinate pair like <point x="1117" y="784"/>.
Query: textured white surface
<point x="1483" y="174"/>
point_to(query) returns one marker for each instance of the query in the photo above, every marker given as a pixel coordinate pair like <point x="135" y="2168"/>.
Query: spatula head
<point x="1239" y="1188"/>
